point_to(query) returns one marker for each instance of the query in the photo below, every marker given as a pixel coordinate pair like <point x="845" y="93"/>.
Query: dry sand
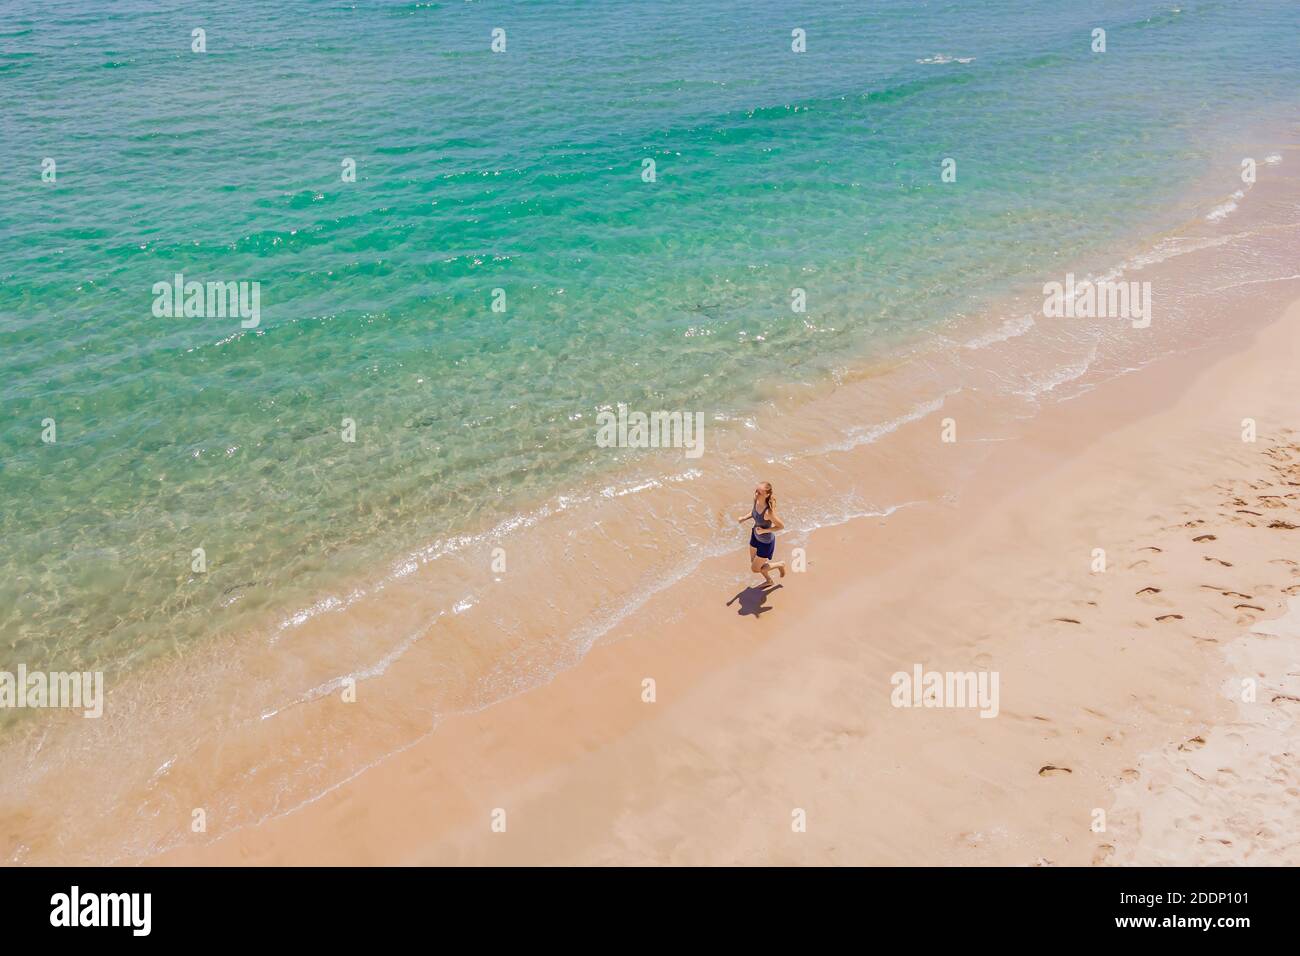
<point x="1120" y="690"/>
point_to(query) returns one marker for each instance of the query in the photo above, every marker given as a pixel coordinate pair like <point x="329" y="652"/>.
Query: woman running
<point x="762" y="539"/>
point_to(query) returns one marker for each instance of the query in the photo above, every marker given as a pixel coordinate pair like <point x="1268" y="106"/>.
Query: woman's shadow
<point x="751" y="599"/>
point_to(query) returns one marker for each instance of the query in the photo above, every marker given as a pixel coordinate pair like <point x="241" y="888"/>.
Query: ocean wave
<point x="1246" y="282"/>
<point x="873" y="433"/>
<point x="445" y="547"/>
<point x="377" y="668"/>
<point x="1062" y="375"/>
<point x="1167" y="248"/>
<point x="1224" y="210"/>
<point x="1010" y="329"/>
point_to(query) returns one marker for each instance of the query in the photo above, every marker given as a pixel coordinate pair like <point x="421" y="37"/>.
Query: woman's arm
<point x="777" y="523"/>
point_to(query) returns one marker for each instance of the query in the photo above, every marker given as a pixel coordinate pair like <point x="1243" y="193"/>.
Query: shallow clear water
<point x="519" y="171"/>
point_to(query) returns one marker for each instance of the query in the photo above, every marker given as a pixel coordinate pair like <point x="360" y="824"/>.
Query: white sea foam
<point x="613" y="491"/>
<point x="444" y="547"/>
<point x="1054" y="379"/>
<point x="872" y="433"/>
<point x="1168" y="248"/>
<point x="1010" y="329"/>
<point x="800" y="526"/>
<point x="411" y="563"/>
<point x="832" y="518"/>
<point x="1245" y="282"/>
<point x="304" y="615"/>
<point x="376" y="669"/>
<point x="1226" y="209"/>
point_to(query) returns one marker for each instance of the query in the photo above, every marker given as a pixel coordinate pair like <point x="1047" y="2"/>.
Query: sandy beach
<point x="1121" y="735"/>
<point x="1093" y="521"/>
<point x="520" y="440"/>
<point x="325" y="336"/>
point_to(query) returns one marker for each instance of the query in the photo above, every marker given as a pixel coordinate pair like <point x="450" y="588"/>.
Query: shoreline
<point x="891" y="484"/>
<point x="761" y="713"/>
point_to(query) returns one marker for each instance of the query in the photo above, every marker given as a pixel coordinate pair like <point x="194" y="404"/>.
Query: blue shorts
<point x="765" y="549"/>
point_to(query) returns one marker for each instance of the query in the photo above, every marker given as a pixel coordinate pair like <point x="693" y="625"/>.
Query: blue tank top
<point x="761" y="522"/>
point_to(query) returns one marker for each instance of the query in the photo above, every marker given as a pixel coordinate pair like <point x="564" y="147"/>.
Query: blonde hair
<point x="771" y="498"/>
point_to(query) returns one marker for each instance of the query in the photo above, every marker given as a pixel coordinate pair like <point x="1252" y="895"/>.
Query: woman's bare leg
<point x="758" y="565"/>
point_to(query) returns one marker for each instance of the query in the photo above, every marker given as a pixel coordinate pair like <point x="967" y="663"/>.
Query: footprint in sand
<point x="1226" y="564"/>
<point x="1066" y="620"/>
<point x="1170" y="617"/>
<point x="1130" y="774"/>
<point x="1196" y="743"/>
<point x="1225" y="778"/>
<point x="1247" y="617"/>
<point x="1206" y="537"/>
<point x="1283" y="525"/>
<point x="1104" y="853"/>
<point x="1048" y="770"/>
<point x="1148" y="590"/>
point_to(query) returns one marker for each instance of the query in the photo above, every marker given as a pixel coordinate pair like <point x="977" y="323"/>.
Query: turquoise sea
<point x="520" y="171"/>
